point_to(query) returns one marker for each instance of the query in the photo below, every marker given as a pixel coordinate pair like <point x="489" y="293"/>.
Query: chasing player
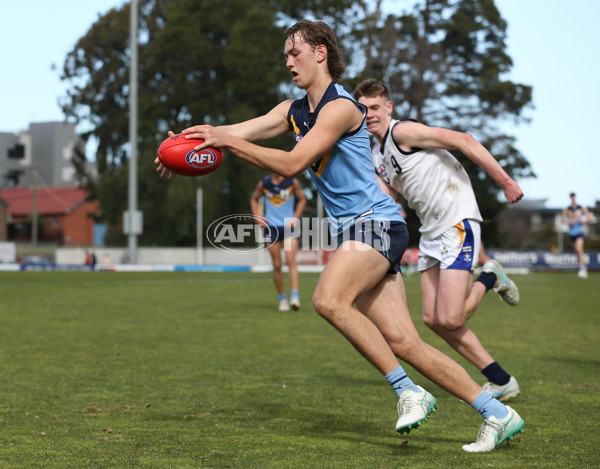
<point x="412" y="159"/>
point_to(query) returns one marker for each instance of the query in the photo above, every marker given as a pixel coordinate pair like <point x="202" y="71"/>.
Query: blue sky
<point x="554" y="45"/>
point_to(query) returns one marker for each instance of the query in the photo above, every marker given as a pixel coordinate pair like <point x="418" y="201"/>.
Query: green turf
<point x="185" y="370"/>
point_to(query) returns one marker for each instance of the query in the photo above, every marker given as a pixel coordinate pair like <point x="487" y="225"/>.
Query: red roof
<point x="50" y="200"/>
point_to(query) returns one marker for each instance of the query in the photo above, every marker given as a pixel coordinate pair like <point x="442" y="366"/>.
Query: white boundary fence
<point x="184" y="259"/>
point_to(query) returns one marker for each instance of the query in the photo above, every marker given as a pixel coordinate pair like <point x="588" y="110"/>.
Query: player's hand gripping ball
<point x="177" y="154"/>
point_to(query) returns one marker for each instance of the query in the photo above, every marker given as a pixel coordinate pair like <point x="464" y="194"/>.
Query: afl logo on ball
<point x="201" y="159"/>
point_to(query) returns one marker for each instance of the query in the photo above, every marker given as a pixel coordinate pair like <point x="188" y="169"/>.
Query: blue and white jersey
<point x="575" y="215"/>
<point x="279" y="200"/>
<point x="344" y="175"/>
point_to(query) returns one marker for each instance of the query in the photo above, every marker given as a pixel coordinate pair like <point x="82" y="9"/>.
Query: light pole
<point x="132" y="218"/>
<point x="199" y="229"/>
<point x="34" y="209"/>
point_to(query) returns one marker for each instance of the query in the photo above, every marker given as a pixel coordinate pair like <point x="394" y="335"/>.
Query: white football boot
<point x="503" y="392"/>
<point x="495" y="431"/>
<point x="413" y="409"/>
<point x="504" y="286"/>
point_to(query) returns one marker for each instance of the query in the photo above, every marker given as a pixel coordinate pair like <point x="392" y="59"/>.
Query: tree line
<point x="221" y="61"/>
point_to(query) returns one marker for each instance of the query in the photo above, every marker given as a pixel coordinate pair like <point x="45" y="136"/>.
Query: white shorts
<point x="456" y="248"/>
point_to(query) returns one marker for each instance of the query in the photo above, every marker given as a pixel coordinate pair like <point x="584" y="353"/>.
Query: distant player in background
<point x="412" y="159"/>
<point x="576" y="216"/>
<point x="283" y="199"/>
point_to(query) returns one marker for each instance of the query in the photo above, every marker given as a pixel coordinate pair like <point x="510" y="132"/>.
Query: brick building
<point x="65" y="215"/>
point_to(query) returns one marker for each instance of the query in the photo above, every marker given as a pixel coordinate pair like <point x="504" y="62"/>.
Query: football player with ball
<point x="332" y="141"/>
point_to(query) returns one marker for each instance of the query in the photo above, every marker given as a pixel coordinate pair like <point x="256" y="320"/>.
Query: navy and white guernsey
<point x="344" y="175"/>
<point x="432" y="181"/>
<point x="279" y="200"/>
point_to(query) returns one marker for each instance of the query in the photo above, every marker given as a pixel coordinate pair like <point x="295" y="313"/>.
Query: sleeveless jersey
<point x="575" y="214"/>
<point x="432" y="181"/>
<point x="343" y="175"/>
<point x="279" y="200"/>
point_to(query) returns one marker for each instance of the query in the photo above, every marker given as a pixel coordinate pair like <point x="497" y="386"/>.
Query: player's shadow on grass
<point x="313" y="419"/>
<point x="360" y="429"/>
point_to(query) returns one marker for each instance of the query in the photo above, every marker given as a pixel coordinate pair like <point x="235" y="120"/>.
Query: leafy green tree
<point x="445" y="63"/>
<point x="198" y="62"/>
<point x="216" y="61"/>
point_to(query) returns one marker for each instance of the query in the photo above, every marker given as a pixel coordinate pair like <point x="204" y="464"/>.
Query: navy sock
<point x="487" y="406"/>
<point x="400" y="381"/>
<point x="496" y="374"/>
<point x="488" y="279"/>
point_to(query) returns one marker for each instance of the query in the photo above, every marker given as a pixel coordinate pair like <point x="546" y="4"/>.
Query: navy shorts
<point x="576" y="237"/>
<point x="390" y="238"/>
<point x="274" y="234"/>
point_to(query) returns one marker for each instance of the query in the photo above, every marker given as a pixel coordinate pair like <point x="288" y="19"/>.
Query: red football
<point x="177" y="154"/>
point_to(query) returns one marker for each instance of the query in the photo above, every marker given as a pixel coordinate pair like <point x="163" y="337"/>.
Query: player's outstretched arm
<point x="271" y="125"/>
<point x="335" y="119"/>
<point x="415" y="135"/>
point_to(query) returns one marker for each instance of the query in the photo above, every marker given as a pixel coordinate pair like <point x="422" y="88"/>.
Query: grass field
<point x="185" y="370"/>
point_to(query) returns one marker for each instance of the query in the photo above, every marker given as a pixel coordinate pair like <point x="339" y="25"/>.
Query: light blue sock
<point x="282" y="296"/>
<point x="487" y="406"/>
<point x="295" y="295"/>
<point x="400" y="381"/>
